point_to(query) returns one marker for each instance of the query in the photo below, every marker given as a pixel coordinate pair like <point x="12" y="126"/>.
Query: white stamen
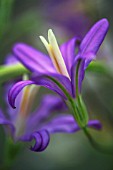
<point x="55" y="53"/>
<point x="44" y="41"/>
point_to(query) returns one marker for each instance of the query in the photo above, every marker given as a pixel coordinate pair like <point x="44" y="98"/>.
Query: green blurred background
<point x="24" y="21"/>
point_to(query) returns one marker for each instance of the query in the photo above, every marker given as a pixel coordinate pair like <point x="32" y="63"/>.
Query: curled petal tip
<point x="15" y="90"/>
<point x="42" y="139"/>
<point x="96" y="124"/>
<point x="104" y="20"/>
<point x="12" y="104"/>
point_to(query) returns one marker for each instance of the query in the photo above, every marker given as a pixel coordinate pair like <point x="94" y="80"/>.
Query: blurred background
<point x="24" y="21"/>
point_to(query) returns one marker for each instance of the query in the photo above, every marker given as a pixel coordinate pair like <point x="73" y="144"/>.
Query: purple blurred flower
<point x="64" y="66"/>
<point x="10" y="60"/>
<point x="70" y="15"/>
<point x="25" y="126"/>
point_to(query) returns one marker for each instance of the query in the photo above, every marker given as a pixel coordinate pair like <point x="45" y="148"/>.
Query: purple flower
<point x="38" y="125"/>
<point x="69" y="16"/>
<point x="64" y="70"/>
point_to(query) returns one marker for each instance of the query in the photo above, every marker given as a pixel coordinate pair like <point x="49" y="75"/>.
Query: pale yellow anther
<point x="25" y="77"/>
<point x="55" y="53"/>
<point x="46" y="44"/>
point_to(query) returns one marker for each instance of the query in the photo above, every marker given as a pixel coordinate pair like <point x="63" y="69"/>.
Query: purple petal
<point x="81" y="73"/>
<point x="15" y="90"/>
<point x="41" y="138"/>
<point x="5" y="121"/>
<point x="40" y="80"/>
<point x="62" y="124"/>
<point x="49" y="104"/>
<point x="45" y="81"/>
<point x="95" y="124"/>
<point x="11" y="60"/>
<point x="12" y="113"/>
<point x="84" y="61"/>
<point x="66" y="124"/>
<point x="88" y="58"/>
<point x="68" y="52"/>
<point x="73" y="74"/>
<point x="94" y="37"/>
<point x="33" y="59"/>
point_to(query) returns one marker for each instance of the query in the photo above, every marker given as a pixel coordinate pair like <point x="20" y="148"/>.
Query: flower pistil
<point x="55" y="53"/>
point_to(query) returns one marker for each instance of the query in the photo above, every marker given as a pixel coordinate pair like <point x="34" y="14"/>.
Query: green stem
<point x="11" y="150"/>
<point x="82" y="110"/>
<point x="83" y="114"/>
<point x="11" y="71"/>
<point x="70" y="102"/>
<point x="61" y="87"/>
<point x="97" y="146"/>
<point x="79" y="114"/>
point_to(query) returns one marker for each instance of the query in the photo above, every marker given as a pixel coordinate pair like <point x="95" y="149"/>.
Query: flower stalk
<point x="11" y="71"/>
<point x="101" y="148"/>
<point x="11" y="151"/>
<point x="76" y="106"/>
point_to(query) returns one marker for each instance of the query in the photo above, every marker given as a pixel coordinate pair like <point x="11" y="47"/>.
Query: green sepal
<point x="82" y="112"/>
<point x="76" y="106"/>
<point x="79" y="111"/>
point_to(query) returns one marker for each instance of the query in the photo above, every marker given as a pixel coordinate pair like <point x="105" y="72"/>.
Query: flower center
<point x="55" y="53"/>
<point x="27" y="100"/>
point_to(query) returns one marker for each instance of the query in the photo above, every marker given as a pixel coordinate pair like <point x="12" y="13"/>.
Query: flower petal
<point x="81" y="74"/>
<point x="47" y="83"/>
<point x="41" y="138"/>
<point x="44" y="80"/>
<point x="68" y="52"/>
<point x="5" y="121"/>
<point x="95" y="124"/>
<point x="88" y="58"/>
<point x="62" y="124"/>
<point x="33" y="59"/>
<point x="94" y="37"/>
<point x="15" y="90"/>
<point x="49" y="104"/>
<point x="12" y="113"/>
<point x="10" y="60"/>
<point x="39" y="80"/>
<point x="66" y="124"/>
